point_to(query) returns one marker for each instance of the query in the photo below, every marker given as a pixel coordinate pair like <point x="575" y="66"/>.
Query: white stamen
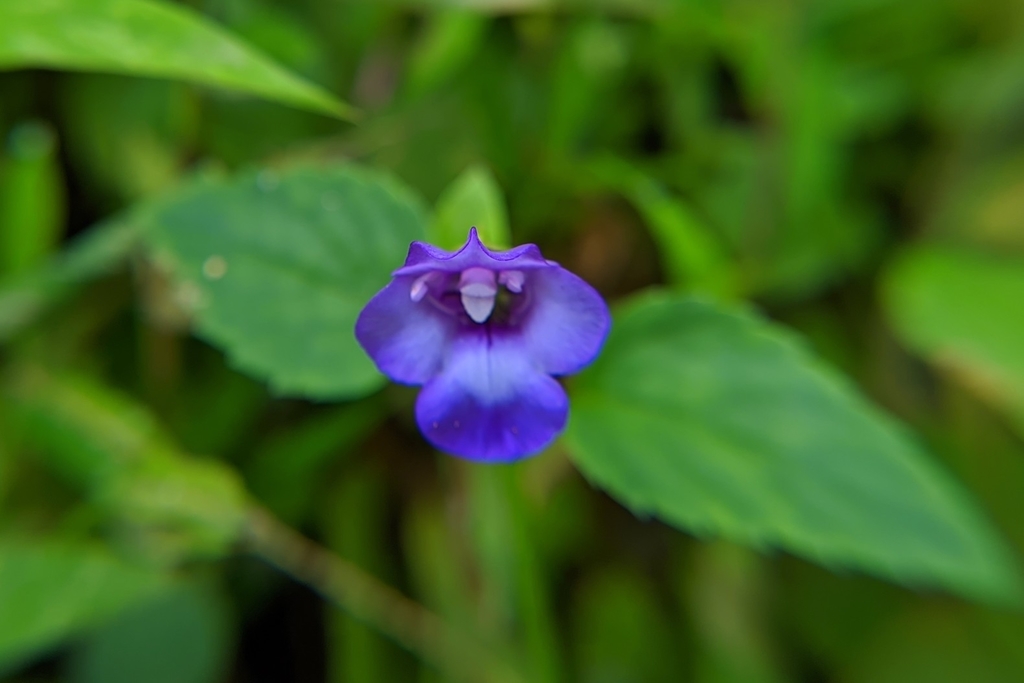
<point x="420" y="287"/>
<point x="478" y="289"/>
<point x="512" y="279"/>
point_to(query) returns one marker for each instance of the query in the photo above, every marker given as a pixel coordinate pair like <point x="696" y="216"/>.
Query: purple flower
<point x="484" y="331"/>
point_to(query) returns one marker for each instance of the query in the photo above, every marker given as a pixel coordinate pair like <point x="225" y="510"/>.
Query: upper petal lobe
<point x="425" y="257"/>
<point x="567" y="321"/>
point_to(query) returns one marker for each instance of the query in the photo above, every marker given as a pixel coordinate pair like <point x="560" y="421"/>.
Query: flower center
<point x="479" y="291"/>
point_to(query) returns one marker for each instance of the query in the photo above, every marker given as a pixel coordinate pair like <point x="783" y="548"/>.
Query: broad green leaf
<point x="182" y="636"/>
<point x="474" y="199"/>
<point x="721" y="424"/>
<point x="276" y="268"/>
<point x="147" y="38"/>
<point x="51" y="590"/>
<point x="965" y="312"/>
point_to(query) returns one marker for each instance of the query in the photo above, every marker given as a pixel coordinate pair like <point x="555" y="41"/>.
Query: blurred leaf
<point x="354" y="520"/>
<point x="169" y="505"/>
<point x="983" y="204"/>
<point x="88" y="434"/>
<point x="964" y="311"/>
<point x="639" y="8"/>
<point x="512" y="575"/>
<point x="591" y="63"/>
<point x="724" y="595"/>
<point x="286" y="472"/>
<point x="127" y="137"/>
<point x="450" y="39"/>
<point x="99" y="251"/>
<point x="279" y="32"/>
<point x="183" y="636"/>
<point x="231" y="404"/>
<point x="834" y="616"/>
<point x="175" y="508"/>
<point x="982" y="94"/>
<point x="717" y="423"/>
<point x="692" y="254"/>
<point x="621" y="632"/>
<point x="941" y="644"/>
<point x="276" y="268"/>
<point x="31" y="198"/>
<point x="147" y="38"/>
<point x="51" y="590"/>
<point x="437" y="571"/>
<point x="474" y="199"/>
<point x="242" y="133"/>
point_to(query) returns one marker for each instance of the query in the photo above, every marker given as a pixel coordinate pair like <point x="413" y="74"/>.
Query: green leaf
<point x="51" y="590"/>
<point x="450" y="40"/>
<point x="719" y="423"/>
<point x="964" y="312"/>
<point x="31" y="198"/>
<point x="277" y="268"/>
<point x="692" y="254"/>
<point x="114" y="451"/>
<point x="183" y="636"/>
<point x="474" y="199"/>
<point x="147" y="38"/>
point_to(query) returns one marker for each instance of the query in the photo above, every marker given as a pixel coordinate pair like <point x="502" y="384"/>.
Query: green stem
<point x="511" y="566"/>
<point x="534" y="599"/>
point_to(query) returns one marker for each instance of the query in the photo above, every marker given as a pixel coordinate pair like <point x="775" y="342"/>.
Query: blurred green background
<point x="851" y="169"/>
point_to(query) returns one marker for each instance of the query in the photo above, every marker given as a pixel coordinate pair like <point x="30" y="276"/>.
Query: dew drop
<point x="215" y="267"/>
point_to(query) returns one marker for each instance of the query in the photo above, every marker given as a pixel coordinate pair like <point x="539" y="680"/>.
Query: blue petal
<point x="491" y="402"/>
<point x="406" y="339"/>
<point x="567" y="321"/>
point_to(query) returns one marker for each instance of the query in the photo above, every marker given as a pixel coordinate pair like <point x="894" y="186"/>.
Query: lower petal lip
<point x="489" y="403"/>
